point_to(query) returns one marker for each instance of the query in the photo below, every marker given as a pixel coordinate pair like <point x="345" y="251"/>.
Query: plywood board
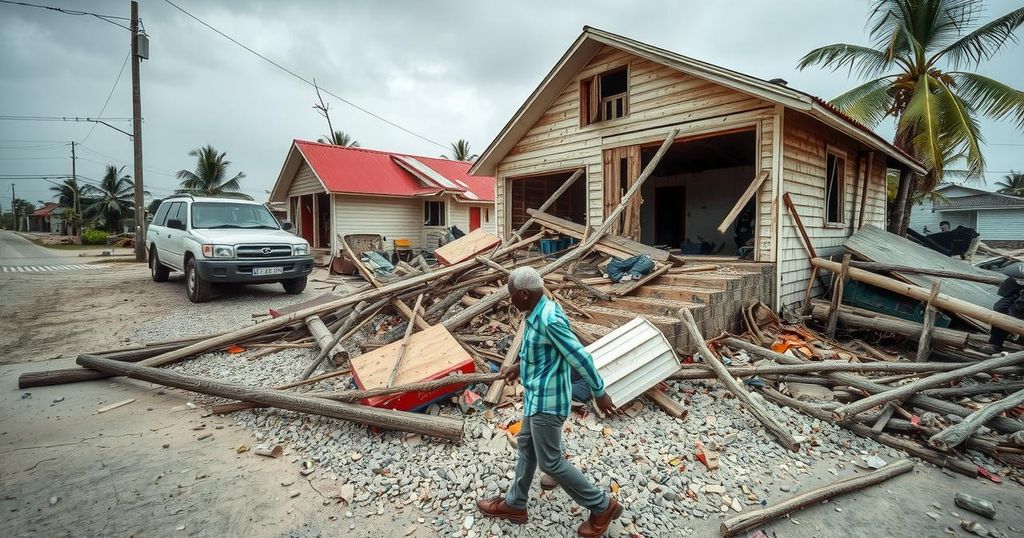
<point x="874" y="244"/>
<point x="431" y="352"/>
<point x="466" y="247"/>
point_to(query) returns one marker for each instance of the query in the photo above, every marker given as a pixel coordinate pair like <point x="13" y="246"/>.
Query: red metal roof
<point x="45" y="211"/>
<point x="373" y="172"/>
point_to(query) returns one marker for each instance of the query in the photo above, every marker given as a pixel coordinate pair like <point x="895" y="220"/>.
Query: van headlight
<point x="218" y="251"/>
<point x="300" y="250"/>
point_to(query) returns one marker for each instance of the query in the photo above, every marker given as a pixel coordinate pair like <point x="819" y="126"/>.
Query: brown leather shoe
<point x="598" y="523"/>
<point x="547" y="483"/>
<point x="499" y="509"/>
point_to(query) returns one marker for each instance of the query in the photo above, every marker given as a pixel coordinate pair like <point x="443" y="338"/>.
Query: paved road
<point x="16" y="251"/>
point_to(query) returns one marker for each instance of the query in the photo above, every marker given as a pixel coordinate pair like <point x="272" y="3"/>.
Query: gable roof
<point x="592" y="40"/>
<point x="986" y="200"/>
<point x="45" y="211"/>
<point x="346" y="170"/>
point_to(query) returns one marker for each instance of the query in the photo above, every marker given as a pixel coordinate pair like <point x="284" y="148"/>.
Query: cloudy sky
<point x="442" y="69"/>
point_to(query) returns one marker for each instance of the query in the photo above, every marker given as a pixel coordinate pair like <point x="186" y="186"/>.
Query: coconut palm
<point x="1012" y="184"/>
<point x="210" y="175"/>
<point x="339" y="138"/>
<point x="920" y="67"/>
<point x="113" y="199"/>
<point x="69" y="196"/>
<point x="460" y="151"/>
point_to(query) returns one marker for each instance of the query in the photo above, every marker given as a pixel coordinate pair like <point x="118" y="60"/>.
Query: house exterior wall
<point x="1001" y="225"/>
<point x="660" y="98"/>
<point x="391" y="217"/>
<point x="805" y="146"/>
<point x="305" y="182"/>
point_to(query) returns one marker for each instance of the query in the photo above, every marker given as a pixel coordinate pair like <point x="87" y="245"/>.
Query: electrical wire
<point x="59" y="118"/>
<point x="109" y="95"/>
<point x="308" y="82"/>
<point x="104" y="18"/>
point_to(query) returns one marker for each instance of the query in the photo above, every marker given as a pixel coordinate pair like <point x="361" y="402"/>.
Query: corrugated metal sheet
<point x="632" y="359"/>
<point x="1005" y="224"/>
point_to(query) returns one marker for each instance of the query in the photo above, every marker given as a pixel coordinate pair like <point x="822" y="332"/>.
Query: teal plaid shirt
<point x="549" y="349"/>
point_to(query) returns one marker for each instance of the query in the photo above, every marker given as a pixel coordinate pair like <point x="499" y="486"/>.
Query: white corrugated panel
<point x="632" y="359"/>
<point x="1003" y="224"/>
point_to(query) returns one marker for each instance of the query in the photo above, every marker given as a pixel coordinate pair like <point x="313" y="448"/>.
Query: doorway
<point x="670" y="215"/>
<point x="306" y="217"/>
<point x="323" y="220"/>
<point x="474" y="218"/>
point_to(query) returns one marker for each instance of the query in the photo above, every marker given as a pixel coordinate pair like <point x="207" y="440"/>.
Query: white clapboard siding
<point x="658" y="97"/>
<point x="1002" y="224"/>
<point x="632" y="359"/>
<point x="305" y="182"/>
<point x="391" y="217"/>
<point x="460" y="216"/>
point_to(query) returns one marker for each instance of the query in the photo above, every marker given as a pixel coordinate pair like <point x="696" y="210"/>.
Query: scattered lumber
<point x="404" y="343"/>
<point x="494" y="392"/>
<point x="956" y="434"/>
<point x="113" y="406"/>
<point x="324" y="340"/>
<point x="994" y="278"/>
<point x="773" y="426"/>
<point x="748" y="520"/>
<point x="467" y="247"/>
<point x="742" y="201"/>
<point x="440" y="427"/>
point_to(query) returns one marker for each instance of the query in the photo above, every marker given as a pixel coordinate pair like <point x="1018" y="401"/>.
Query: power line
<point x="59" y="118"/>
<point x="308" y="82"/>
<point x="104" y="18"/>
<point x="109" y="95"/>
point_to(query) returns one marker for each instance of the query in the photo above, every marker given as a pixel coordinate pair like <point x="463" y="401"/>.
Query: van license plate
<point x="263" y="271"/>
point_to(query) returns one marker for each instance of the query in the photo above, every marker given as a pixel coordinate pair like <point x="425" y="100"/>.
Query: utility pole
<point x="140" y="210"/>
<point x="75" y="202"/>
<point x="14" y="210"/>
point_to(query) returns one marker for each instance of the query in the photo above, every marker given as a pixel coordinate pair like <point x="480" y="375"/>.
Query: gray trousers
<point x="540" y="444"/>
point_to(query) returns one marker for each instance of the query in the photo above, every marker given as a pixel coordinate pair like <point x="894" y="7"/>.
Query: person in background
<point x="1011" y="303"/>
<point x="550" y="351"/>
<point x="944" y="226"/>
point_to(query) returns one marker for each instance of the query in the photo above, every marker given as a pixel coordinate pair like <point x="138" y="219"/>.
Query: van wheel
<point x="197" y="289"/>
<point x="158" y="270"/>
<point x="294" y="286"/>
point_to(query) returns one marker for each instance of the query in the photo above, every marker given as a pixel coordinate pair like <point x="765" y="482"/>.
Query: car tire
<point x="197" y="289"/>
<point x="294" y="286"/>
<point x="158" y="270"/>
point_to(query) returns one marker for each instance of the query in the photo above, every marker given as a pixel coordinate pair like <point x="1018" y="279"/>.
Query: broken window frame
<point x="835" y="159"/>
<point x="429" y="214"/>
<point x="592" y="104"/>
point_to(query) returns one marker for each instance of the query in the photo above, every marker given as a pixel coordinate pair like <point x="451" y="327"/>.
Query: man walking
<point x="549" y="352"/>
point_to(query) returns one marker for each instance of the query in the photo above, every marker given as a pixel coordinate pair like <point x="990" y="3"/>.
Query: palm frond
<point x="868" y="103"/>
<point x="984" y="42"/>
<point x="866" y="61"/>
<point x="991" y="97"/>
<point x="921" y="123"/>
<point x="961" y="128"/>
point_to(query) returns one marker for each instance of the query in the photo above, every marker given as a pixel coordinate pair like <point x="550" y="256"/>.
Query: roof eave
<point x="867" y="138"/>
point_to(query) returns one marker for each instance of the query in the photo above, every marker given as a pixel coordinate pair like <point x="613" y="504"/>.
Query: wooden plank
<point x="837" y="297"/>
<point x="666" y="403"/>
<point x="742" y="202"/>
<point x="924" y="344"/>
<point x="992" y="277"/>
<point x="611" y="245"/>
<point x="113" y="406"/>
<point x="467" y="247"/>
<point x="403" y="345"/>
<point x="632" y="286"/>
<point x="430" y="352"/>
<point x="493" y="395"/>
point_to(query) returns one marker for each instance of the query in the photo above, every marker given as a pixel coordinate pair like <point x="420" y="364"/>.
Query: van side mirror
<point x="176" y="224"/>
<point x="287" y="226"/>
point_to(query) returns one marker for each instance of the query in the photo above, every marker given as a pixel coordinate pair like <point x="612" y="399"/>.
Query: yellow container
<point x="403" y="243"/>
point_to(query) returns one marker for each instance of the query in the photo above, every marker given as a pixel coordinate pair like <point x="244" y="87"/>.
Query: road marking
<point x="46" y="268"/>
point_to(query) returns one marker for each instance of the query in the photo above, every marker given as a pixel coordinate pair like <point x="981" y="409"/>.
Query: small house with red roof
<point x="741" y="145"/>
<point x="331" y="191"/>
<point x="46" y="219"/>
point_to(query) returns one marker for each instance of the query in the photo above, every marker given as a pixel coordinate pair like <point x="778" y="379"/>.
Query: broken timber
<point x="958" y="433"/>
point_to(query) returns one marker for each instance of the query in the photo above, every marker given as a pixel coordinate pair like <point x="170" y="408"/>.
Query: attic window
<point x="605" y="96"/>
<point x="835" y="199"/>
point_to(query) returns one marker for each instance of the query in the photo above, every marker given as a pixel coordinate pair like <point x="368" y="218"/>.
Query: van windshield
<point x="232" y="215"/>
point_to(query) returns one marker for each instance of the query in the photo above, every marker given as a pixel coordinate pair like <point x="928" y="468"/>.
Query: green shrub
<point x="94" y="237"/>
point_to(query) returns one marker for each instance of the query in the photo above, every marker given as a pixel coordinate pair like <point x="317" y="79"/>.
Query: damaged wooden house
<point x="332" y="191"/>
<point x="743" y="146"/>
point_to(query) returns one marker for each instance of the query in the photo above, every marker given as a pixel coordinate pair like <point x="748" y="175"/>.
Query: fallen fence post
<point x="958" y="433"/>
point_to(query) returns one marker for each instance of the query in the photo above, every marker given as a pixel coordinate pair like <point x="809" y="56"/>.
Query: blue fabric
<point x="549" y="353"/>
<point x="636" y="267"/>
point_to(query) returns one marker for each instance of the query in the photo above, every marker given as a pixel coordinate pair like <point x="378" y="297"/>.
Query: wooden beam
<point x="837" y="297"/>
<point x="398" y="305"/>
<point x="666" y="403"/>
<point x="749" y="520"/>
<point x="864" y="189"/>
<point x="494" y="392"/>
<point x="808" y="248"/>
<point x="630" y="287"/>
<point x="943" y="301"/>
<point x="958" y="433"/>
<point x="924" y="344"/>
<point x="400" y="354"/>
<point x="441" y="427"/>
<point x="742" y="201"/>
<point x="551" y="199"/>
<point x="994" y="279"/>
<point x="774" y="427"/>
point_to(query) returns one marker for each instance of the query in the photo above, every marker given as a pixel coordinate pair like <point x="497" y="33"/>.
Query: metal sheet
<point x="633" y="358"/>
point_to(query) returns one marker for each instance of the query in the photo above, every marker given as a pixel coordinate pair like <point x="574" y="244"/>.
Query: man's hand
<point x="604" y="403"/>
<point x="512" y="373"/>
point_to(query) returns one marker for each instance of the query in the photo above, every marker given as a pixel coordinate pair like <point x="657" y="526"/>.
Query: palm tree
<point x="209" y="176"/>
<point x="339" y="138"/>
<point x="919" y="50"/>
<point x="1012" y="184"/>
<point x="69" y="196"/>
<point x="460" y="151"/>
<point x="114" y="199"/>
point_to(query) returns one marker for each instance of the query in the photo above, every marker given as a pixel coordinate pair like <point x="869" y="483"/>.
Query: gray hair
<point x="525" y="278"/>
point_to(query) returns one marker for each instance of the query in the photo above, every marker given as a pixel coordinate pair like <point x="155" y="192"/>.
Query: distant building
<point x="46" y="219"/>
<point x="998" y="218"/>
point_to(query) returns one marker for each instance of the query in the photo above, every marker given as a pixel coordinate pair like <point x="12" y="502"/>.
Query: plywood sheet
<point x="874" y="244"/>
<point x="466" y="247"/>
<point x="431" y="352"/>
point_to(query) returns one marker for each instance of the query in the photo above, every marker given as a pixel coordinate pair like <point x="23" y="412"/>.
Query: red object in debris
<point x="991" y="476"/>
<point x="915" y="420"/>
<point x="408" y="401"/>
<point x="235" y="349"/>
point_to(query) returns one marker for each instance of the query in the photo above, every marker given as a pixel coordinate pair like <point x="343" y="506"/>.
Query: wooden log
<point x="807" y="244"/>
<point x="958" y="433"/>
<point x="975" y="504"/>
<point x="748" y="520"/>
<point x="666" y="403"/>
<point x="982" y="388"/>
<point x="493" y="265"/>
<point x="460" y="380"/>
<point x="223" y="409"/>
<point x="588" y="288"/>
<point x="400" y="354"/>
<point x="994" y="279"/>
<point x="850" y="319"/>
<point x="837" y="297"/>
<point x="697" y="372"/>
<point x="924" y="344"/>
<point x="883" y="418"/>
<point x="853" y="380"/>
<point x="773" y="426"/>
<point x="324" y="340"/>
<point x="494" y="392"/>
<point x="943" y="301"/>
<point x="742" y="201"/>
<point x="552" y="199"/>
<point x="440" y="427"/>
<point x="360" y="311"/>
<point x="935" y="380"/>
<point x="77" y="374"/>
